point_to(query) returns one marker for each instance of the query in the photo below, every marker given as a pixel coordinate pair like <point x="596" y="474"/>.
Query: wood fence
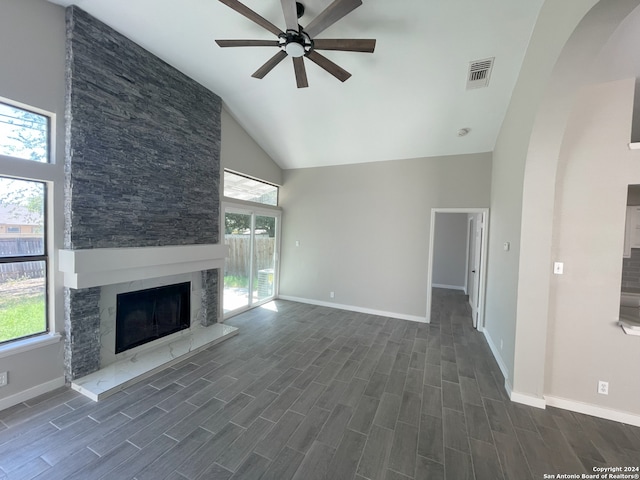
<point x="14" y="247"/>
<point x="237" y="263"/>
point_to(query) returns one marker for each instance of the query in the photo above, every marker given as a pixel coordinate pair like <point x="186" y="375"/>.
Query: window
<point x="245" y="188"/>
<point x="24" y="135"/>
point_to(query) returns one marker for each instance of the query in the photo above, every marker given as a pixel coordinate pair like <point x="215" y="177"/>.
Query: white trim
<point x="233" y="206"/>
<point x="352" y="308"/>
<point x="107" y="266"/>
<point x="32" y="392"/>
<point x="467" y="267"/>
<point x="526" y="399"/>
<point x="507" y="387"/>
<point x="449" y="287"/>
<point x="634" y="146"/>
<point x="483" y="259"/>
<point x="588" y="409"/>
<point x="26" y="344"/>
<point x="497" y="356"/>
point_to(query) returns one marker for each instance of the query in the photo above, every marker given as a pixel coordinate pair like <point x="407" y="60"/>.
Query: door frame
<point x="254" y="210"/>
<point x="484" y="249"/>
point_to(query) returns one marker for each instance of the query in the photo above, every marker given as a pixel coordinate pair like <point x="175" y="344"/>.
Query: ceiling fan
<point x="298" y="42"/>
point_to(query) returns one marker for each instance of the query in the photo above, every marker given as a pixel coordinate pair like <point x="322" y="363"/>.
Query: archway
<point x="595" y="23"/>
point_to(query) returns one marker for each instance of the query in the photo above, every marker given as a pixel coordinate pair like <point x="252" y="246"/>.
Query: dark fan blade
<point x="301" y="72"/>
<point x="248" y="43"/>
<point x="346" y="45"/>
<point x="251" y="15"/>
<point x="322" y="61"/>
<point x="330" y="15"/>
<point x="267" y="67"/>
<point x="290" y="14"/>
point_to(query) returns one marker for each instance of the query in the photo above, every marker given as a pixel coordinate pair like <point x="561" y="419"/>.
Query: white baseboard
<point x="526" y="399"/>
<point x="499" y="361"/>
<point x="496" y="354"/>
<point x="351" y="308"/>
<point x="31" y="393"/>
<point x="449" y="287"/>
<point x="595" y="411"/>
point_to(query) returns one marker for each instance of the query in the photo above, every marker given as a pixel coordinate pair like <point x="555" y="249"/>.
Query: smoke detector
<point x="479" y="73"/>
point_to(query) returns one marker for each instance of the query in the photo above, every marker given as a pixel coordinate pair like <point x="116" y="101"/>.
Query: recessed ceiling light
<point x="463" y="131"/>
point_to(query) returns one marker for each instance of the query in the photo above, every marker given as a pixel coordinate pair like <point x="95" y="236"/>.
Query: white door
<point x="475" y="253"/>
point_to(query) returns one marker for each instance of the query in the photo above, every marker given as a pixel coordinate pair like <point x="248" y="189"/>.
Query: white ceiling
<point x="406" y="100"/>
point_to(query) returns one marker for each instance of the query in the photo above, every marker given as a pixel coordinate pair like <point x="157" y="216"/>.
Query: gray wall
<point x="33" y="62"/>
<point x="584" y="344"/>
<point x="544" y="315"/>
<point x="364" y="229"/>
<point x="556" y="22"/>
<point x="450" y="250"/>
<point x="242" y="154"/>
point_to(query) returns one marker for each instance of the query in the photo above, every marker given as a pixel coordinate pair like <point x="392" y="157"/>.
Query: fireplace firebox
<point x="146" y="315"/>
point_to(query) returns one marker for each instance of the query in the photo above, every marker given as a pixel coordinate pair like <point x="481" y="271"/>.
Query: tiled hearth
<point x="121" y="374"/>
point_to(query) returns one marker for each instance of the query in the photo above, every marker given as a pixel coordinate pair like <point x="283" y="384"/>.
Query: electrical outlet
<point x="603" y="388"/>
<point x="4" y="378"/>
<point x="501" y="344"/>
<point x="332" y="294"/>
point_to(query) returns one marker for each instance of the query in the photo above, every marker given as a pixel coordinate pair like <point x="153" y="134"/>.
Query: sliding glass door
<point x="251" y="269"/>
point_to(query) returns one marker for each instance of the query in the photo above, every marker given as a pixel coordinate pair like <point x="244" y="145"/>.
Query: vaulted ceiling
<point x="406" y="100"/>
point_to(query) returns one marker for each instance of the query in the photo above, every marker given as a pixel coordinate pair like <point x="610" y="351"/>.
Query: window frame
<point x="249" y="202"/>
<point x="47" y="174"/>
<point x="50" y="143"/>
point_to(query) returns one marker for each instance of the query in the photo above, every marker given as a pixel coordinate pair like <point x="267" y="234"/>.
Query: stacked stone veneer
<point x="142" y="165"/>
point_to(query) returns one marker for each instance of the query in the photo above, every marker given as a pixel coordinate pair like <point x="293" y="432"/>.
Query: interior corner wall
<point x="556" y="22"/>
<point x="585" y="344"/>
<point x="240" y="153"/>
<point x="450" y="250"/>
<point x="363" y="230"/>
<point x="33" y="62"/>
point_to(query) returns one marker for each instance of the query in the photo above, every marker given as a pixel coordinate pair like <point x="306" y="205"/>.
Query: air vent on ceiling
<point x="479" y="73"/>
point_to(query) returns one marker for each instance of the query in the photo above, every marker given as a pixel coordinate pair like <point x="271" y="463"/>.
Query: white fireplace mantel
<point x="106" y="266"/>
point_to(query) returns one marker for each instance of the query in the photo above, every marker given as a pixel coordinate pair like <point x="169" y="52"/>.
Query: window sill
<point x="21" y="346"/>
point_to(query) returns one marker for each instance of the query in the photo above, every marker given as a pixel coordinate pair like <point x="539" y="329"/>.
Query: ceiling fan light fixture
<point x="294" y="49"/>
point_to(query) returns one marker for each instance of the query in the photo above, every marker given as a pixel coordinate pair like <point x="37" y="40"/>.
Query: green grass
<point x="22" y="317"/>
<point x="233" y="281"/>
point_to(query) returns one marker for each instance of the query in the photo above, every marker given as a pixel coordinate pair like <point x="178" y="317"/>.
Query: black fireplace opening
<point x="146" y="315"/>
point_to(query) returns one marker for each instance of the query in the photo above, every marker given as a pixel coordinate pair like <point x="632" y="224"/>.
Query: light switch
<point x="506" y="246"/>
<point x="558" y="268"/>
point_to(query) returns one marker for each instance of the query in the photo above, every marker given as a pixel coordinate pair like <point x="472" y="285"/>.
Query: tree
<point x="24" y="135"/>
<point x="240" y="224"/>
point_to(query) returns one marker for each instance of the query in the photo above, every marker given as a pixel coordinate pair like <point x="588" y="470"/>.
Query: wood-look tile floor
<point x="307" y="392"/>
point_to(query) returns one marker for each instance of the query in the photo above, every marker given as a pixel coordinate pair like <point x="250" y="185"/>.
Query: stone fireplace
<point x="142" y="200"/>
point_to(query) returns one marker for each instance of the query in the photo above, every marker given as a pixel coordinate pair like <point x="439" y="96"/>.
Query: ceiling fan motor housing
<point x="295" y="44"/>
